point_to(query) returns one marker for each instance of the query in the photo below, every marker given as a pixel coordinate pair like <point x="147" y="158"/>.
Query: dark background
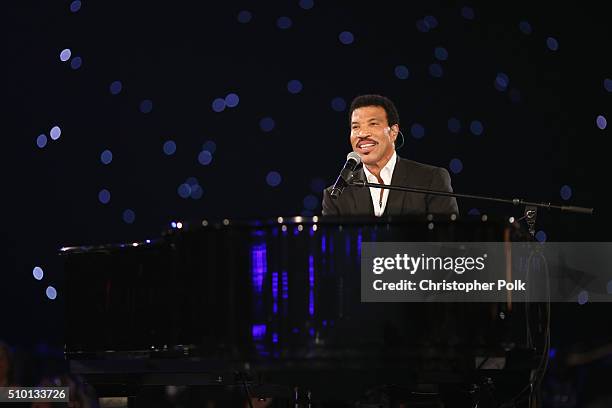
<point x="540" y="133"/>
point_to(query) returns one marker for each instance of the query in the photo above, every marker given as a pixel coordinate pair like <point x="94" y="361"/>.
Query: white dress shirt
<point x="386" y="173"/>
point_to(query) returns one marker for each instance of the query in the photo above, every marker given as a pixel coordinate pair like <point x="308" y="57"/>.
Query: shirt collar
<point x="385" y="173"/>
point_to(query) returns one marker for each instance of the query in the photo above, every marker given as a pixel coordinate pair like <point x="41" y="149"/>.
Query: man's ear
<point x="394" y="130"/>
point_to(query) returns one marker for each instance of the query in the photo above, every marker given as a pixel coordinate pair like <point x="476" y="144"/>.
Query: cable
<point x="536" y="380"/>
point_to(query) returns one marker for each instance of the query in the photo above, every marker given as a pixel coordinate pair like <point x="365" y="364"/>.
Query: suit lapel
<point x="362" y="197"/>
<point x="395" y="199"/>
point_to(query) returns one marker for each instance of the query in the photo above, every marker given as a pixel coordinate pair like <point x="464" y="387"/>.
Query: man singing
<point x="374" y="128"/>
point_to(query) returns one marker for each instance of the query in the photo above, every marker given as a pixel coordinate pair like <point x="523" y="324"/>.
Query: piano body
<point x="272" y="308"/>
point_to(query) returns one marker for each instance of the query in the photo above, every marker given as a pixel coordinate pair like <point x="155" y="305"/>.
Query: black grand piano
<point x="212" y="312"/>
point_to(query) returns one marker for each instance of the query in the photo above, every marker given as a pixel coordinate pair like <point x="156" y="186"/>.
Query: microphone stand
<point x="530" y="211"/>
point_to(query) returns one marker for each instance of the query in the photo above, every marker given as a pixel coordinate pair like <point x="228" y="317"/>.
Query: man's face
<point x="371" y="137"/>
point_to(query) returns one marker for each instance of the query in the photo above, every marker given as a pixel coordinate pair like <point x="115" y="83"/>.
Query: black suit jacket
<point x="358" y="200"/>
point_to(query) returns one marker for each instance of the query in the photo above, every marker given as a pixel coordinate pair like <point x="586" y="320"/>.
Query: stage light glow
<point x="104" y="196"/>
<point x="294" y="86"/>
<point x="456" y="166"/>
<point x="76" y="62"/>
<point x="65" y="54"/>
<point x="476" y="127"/>
<point x="38" y="273"/>
<point x="435" y="70"/>
<point x="441" y="53"/>
<point x="41" y="141"/>
<point x="51" y="292"/>
<point x="55" y="132"/>
<point x="115" y="87"/>
<point x="338" y="104"/>
<point x="129" y="216"/>
<point x="244" y="16"/>
<point x="169" y="147"/>
<point x="106" y="157"/>
<point x="402" y="72"/>
<point x="346" y="37"/>
<point x="284" y="23"/>
<point x="231" y="100"/>
<point x="454" y="125"/>
<point x="218" y="105"/>
<point x="273" y="178"/>
<point x="146" y="106"/>
<point x="417" y="131"/>
<point x="205" y="158"/>
<point x="566" y="192"/>
<point x="266" y="124"/>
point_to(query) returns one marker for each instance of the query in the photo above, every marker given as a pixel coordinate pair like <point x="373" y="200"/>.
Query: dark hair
<point x="376" y="100"/>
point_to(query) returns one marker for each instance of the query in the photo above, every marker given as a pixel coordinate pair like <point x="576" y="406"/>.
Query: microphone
<point x="352" y="161"/>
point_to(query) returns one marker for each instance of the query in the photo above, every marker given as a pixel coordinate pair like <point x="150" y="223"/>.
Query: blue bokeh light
<point x="205" y="157"/>
<point x="441" y="53"/>
<point x="338" y="104"/>
<point x="566" y="192"/>
<point x="169" y="147"/>
<point x="540" y="236"/>
<point x="115" y="87"/>
<point x="317" y="185"/>
<point x="474" y="211"/>
<point x="525" y="27"/>
<point x="311" y="202"/>
<point x="476" y="127"/>
<point x="196" y="192"/>
<point x="210" y="146"/>
<point x="284" y="22"/>
<point x="346" y="37"/>
<point x="51" y="292"/>
<point x="104" y="196"/>
<point x="456" y="166"/>
<point x="467" y="13"/>
<point x="38" y="273"/>
<point x="75" y="6"/>
<point x="306" y="4"/>
<point x="218" y="105"/>
<point x="502" y="81"/>
<point x="431" y="21"/>
<point x="552" y="44"/>
<point x="184" y="190"/>
<point x="601" y="122"/>
<point x="55" y="132"/>
<point x="402" y="72"/>
<point x="76" y="63"/>
<point x="273" y="178"/>
<point x="65" y="54"/>
<point x="294" y="86"/>
<point x="146" y="106"/>
<point x="129" y="216"/>
<point x="244" y="16"/>
<point x="454" y="125"/>
<point x="267" y="124"/>
<point x="106" y="157"/>
<point x="41" y="141"/>
<point x="422" y="26"/>
<point x="607" y="83"/>
<point x="417" y="131"/>
<point x="232" y="100"/>
<point x="435" y="70"/>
